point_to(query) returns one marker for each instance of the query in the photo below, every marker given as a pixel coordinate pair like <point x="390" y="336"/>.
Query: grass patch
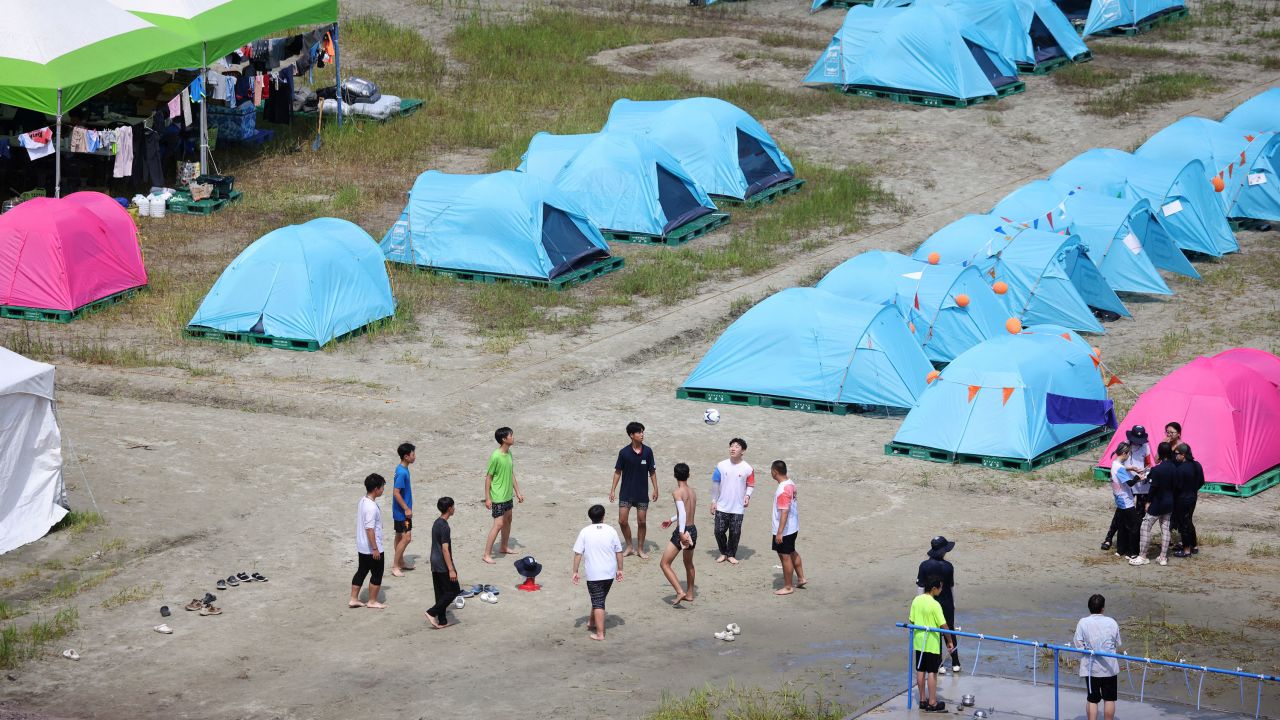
<point x="19" y="644"/>
<point x="1155" y="356"/>
<point x="1151" y="89"/>
<point x="1090" y="76"/>
<point x="1269" y="62"/>
<point x="1266" y="623"/>
<point x="78" y="522"/>
<point x="746" y="704"/>
<point x="71" y="585"/>
<point x="1264" y="550"/>
<point x="1166" y="640"/>
<point x="8" y="611"/>
<point x="130" y="594"/>
<point x="808" y="42"/>
<point x="1212" y="539"/>
<point x="1142" y="52"/>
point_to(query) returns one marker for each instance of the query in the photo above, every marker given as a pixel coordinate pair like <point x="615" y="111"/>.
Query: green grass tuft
<point x="1151" y="89"/>
<point x="77" y="521"/>
<point x="1091" y="76"/>
<point x="19" y="644"/>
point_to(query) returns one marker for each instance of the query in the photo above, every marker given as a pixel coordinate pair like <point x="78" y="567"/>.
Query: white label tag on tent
<point x="1257" y="179"/>
<point x="1172" y="208"/>
<point x="914" y="275"/>
<point x="1131" y="242"/>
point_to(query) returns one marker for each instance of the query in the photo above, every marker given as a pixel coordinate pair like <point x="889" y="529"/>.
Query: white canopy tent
<point x="32" y="495"/>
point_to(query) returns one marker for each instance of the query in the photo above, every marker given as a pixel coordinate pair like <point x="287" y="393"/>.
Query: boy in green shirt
<point x="927" y="612"/>
<point x="500" y="487"/>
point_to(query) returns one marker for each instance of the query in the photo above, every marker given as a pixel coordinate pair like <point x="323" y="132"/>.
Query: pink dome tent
<point x="1229" y="409"/>
<point x="60" y="258"/>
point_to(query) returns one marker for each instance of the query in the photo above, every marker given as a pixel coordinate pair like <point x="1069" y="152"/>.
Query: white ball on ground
<point x="711" y="416"/>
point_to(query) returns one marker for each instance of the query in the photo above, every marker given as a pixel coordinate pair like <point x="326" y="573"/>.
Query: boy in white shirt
<point x="786" y="527"/>
<point x="731" y="486"/>
<point x="599" y="546"/>
<point x="369" y="544"/>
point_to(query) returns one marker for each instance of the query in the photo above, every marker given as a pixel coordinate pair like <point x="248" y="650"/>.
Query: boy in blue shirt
<point x="402" y="507"/>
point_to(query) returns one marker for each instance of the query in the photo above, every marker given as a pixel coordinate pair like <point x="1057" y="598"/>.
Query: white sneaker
<point x="942" y="670"/>
<point x="1139" y="561"/>
<point x="955" y="668"/>
<point x="1162" y="561"/>
<point x="460" y="602"/>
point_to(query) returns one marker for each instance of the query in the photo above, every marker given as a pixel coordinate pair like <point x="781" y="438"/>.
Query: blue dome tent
<point x="806" y="349"/>
<point x="1260" y="113"/>
<point x="298" y="288"/>
<point x="500" y="227"/>
<point x="627" y="184"/>
<point x="921" y="55"/>
<point x="1122" y="17"/>
<point x="1051" y="278"/>
<point x="1116" y="231"/>
<point x="1179" y="190"/>
<point x="1016" y="402"/>
<point x="1033" y="34"/>
<point x="926" y="295"/>
<point x="1245" y="162"/>
<point x="722" y="147"/>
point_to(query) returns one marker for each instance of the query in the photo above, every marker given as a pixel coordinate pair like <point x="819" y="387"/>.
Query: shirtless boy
<point x="684" y="538"/>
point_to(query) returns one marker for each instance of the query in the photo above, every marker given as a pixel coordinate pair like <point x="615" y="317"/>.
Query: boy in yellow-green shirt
<point x="500" y="487"/>
<point x="927" y="612"/>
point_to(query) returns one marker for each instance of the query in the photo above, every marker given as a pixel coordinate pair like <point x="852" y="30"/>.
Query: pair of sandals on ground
<point x="241" y="577"/>
<point x="203" y="605"/>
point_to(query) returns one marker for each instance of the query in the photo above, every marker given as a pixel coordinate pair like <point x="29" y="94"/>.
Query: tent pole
<point x="337" y="70"/>
<point x="57" y="149"/>
<point x="204" y="117"/>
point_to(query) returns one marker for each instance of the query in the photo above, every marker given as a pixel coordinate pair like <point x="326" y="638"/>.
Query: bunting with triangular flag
<point x="1007" y="393"/>
<point x="973" y="391"/>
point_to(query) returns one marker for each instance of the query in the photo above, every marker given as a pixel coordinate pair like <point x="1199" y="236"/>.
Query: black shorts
<point x="928" y="662"/>
<point x="623" y="504"/>
<point x="598" y="589"/>
<point x="788" y="544"/>
<point x="693" y="535"/>
<point x="502" y="508"/>
<point x="1101" y="688"/>
<point x="403" y="526"/>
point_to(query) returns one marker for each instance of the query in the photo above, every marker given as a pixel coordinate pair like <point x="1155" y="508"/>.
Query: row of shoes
<point x="486" y="593"/>
<point x="240" y="577"/>
<point x="730" y="632"/>
<point x="204" y="605"/>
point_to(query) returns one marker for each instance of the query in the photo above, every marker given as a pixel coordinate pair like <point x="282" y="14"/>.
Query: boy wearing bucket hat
<point x="1140" y="458"/>
<point x="937" y="566"/>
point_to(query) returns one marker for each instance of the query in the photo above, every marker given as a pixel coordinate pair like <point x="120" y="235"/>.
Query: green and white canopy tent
<point x="55" y="57"/>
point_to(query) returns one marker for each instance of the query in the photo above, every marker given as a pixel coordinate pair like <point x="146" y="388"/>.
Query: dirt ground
<point x="258" y="467"/>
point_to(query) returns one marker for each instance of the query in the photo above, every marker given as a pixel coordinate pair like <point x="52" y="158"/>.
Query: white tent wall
<point x="32" y="494"/>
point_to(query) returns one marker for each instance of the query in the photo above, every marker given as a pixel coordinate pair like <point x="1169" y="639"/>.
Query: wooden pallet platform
<point x="179" y="206"/>
<point x="17" y="312"/>
<point x="728" y="397"/>
<point x="1268" y="479"/>
<point x="565" y="281"/>
<point x="926" y="100"/>
<point x="678" y="236"/>
<point x="764" y="197"/>
<point x="1244" y="224"/>
<point x="1147" y="25"/>
<point x="1071" y="448"/>
<point x="196" y="332"/>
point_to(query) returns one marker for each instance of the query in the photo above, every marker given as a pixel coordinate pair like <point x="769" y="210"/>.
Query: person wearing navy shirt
<point x="936" y="566"/>
<point x="402" y="507"/>
<point x="635" y="461"/>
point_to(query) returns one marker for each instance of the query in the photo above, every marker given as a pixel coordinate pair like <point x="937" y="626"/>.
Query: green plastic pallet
<point x="1242" y="224"/>
<point x="678" y="236"/>
<point x="17" y="312"/>
<point x="849" y="3"/>
<point x="764" y="197"/>
<point x="1268" y="479"/>
<point x="567" y="280"/>
<point x="725" y="397"/>
<point x="1049" y="66"/>
<point x="926" y="100"/>
<point x="196" y="332"/>
<point x="182" y="204"/>
<point x="1066" y="450"/>
<point x="1147" y="25"/>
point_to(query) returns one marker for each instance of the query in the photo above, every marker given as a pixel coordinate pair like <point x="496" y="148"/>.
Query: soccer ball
<point x="711" y="416"/>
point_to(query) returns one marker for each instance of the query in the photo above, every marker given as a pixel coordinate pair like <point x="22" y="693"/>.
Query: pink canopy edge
<point x="1230" y="415"/>
<point x="1260" y="361"/>
<point x="64" y="254"/>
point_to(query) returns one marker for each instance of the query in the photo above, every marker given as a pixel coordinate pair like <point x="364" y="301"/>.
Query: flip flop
<point x="70" y="654"/>
<point x="259" y="578"/>
<point x="163" y="629"/>
<point x="210" y="610"/>
<point x="232" y="581"/>
<point x="244" y="577"/>
<point x="222" y="584"/>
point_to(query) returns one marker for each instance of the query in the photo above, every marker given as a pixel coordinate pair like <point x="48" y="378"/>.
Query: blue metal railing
<point x="1059" y="649"/>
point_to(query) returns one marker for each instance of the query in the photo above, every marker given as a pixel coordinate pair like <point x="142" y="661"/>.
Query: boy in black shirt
<point x="444" y="575"/>
<point x="634" y="462"/>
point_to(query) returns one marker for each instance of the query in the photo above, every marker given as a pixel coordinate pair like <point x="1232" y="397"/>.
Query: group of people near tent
<point x="1153" y="488"/>
<point x="648" y="176"/>
<point x="964" y="50"/>
<point x="996" y="300"/>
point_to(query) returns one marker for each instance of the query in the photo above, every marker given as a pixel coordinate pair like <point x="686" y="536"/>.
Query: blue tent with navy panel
<point x="1050" y="277"/>
<point x="1244" y="163"/>
<point x="804" y="348"/>
<point x="298" y="287"/>
<point x="1177" y="189"/>
<point x="723" y="148"/>
<point x="503" y="226"/>
<point x="1260" y="113"/>
<point x="1115" y="230"/>
<point x="1014" y="402"/>
<point x="1106" y="17"/>
<point x="924" y="51"/>
<point x="948" y="308"/>
<point x="626" y="183"/>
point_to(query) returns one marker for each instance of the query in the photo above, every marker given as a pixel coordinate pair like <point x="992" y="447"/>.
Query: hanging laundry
<point x="124" y="152"/>
<point x="175" y="107"/>
<point x="186" y="107"/>
<point x="79" y="142"/>
<point x="93" y="141"/>
<point x="195" y="91"/>
<point x="257" y="89"/>
<point x="37" y="143"/>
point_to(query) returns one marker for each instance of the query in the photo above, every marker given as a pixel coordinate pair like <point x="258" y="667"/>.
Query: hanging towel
<point x="257" y="90"/>
<point x="186" y="107"/>
<point x="175" y="107"/>
<point x="79" y="140"/>
<point x="124" y="152"/>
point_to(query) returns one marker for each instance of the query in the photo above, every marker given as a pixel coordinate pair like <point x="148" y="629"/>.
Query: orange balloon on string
<point x="962" y="300"/>
<point x="1218" y="184"/>
<point x="1000" y="287"/>
<point x="934" y="258"/>
<point x="1013" y="325"/>
<point x="933" y="375"/>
